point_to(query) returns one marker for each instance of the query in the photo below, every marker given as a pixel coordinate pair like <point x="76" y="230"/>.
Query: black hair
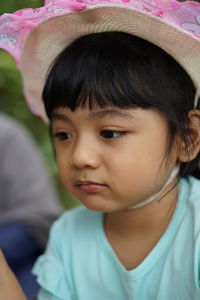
<point x="125" y="71"/>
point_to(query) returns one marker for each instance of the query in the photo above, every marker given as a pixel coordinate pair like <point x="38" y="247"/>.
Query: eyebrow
<point x="96" y="115"/>
<point x="58" y="116"/>
<point x="112" y="113"/>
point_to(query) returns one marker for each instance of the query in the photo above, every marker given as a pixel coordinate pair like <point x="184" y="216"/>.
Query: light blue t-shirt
<point x="80" y="264"/>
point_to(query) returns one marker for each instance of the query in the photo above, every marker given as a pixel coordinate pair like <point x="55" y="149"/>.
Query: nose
<point x="85" y="154"/>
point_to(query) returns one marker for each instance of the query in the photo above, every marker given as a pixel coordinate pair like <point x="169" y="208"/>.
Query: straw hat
<point x="36" y="36"/>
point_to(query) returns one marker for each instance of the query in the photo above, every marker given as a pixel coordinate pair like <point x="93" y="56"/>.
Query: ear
<point x="189" y="152"/>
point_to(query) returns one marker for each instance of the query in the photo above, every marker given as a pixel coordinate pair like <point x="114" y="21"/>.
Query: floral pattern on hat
<point x="195" y="27"/>
<point x="15" y="28"/>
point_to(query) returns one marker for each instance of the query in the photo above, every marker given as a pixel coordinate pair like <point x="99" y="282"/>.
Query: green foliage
<point x="9" y="6"/>
<point x="13" y="103"/>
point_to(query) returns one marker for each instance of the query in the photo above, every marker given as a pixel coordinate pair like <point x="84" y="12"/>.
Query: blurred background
<point x="13" y="103"/>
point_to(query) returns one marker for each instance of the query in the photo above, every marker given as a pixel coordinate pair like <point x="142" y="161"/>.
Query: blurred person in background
<point x="28" y="202"/>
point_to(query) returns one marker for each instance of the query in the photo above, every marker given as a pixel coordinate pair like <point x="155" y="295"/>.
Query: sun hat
<point x="34" y="37"/>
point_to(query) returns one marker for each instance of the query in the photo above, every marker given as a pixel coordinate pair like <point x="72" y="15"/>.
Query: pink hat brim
<point x="50" y="37"/>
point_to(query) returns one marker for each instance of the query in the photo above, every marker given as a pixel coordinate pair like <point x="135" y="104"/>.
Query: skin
<point x="9" y="286"/>
<point x="124" y="152"/>
<point x="131" y="165"/>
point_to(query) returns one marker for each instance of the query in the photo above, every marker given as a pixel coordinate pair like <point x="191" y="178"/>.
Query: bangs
<point x="116" y="69"/>
<point x="102" y="70"/>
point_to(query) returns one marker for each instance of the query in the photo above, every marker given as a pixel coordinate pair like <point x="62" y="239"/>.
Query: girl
<point x="119" y="82"/>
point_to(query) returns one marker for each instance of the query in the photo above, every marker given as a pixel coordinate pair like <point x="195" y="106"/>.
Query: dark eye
<point x="62" y="136"/>
<point x="111" y="134"/>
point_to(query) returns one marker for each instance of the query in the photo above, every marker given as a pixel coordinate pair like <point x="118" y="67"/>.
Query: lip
<point x="89" y="186"/>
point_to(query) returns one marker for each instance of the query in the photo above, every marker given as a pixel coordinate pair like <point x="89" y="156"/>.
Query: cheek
<point x="62" y="162"/>
<point x="140" y="155"/>
<point x="145" y="162"/>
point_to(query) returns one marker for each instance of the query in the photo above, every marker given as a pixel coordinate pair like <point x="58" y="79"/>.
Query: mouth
<point x="89" y="186"/>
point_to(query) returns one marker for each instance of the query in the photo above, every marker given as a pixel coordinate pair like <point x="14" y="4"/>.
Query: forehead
<point x="65" y="114"/>
<point x="137" y="118"/>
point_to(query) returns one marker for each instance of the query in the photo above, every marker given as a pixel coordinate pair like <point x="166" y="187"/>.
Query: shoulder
<point x="14" y="137"/>
<point x="9" y="126"/>
<point x="191" y="187"/>
<point x="7" y="121"/>
<point x="75" y="223"/>
<point x="190" y="195"/>
<point x="191" y="224"/>
<point x="67" y="251"/>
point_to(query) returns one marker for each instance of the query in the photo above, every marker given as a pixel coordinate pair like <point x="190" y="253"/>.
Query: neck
<point x="170" y="179"/>
<point x="147" y="219"/>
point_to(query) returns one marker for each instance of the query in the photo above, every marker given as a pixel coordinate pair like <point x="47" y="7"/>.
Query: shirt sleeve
<point x="51" y="270"/>
<point x="45" y="295"/>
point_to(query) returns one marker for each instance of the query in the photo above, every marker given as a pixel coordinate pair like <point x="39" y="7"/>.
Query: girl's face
<point x="111" y="159"/>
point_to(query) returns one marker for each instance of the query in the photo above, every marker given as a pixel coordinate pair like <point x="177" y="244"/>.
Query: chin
<point x="101" y="207"/>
